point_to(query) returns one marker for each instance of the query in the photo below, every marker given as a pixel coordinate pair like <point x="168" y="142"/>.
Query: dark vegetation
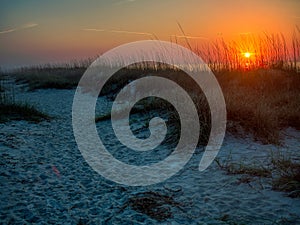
<point x="262" y="102"/>
<point x="155" y="205"/>
<point x="287" y="176"/>
<point x="284" y="173"/>
<point x="20" y="111"/>
<point x="261" y="92"/>
<point x="12" y="110"/>
<point x="57" y="78"/>
<point x="62" y="76"/>
<point x="120" y="79"/>
<point x="239" y="168"/>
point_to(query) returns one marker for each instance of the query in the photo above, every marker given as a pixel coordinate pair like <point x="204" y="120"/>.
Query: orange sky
<point x="33" y="32"/>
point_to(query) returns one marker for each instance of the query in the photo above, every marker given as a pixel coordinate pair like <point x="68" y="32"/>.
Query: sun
<point x="247" y="54"/>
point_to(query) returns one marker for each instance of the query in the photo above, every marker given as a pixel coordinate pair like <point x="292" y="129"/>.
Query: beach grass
<point x="287" y="175"/>
<point x="283" y="171"/>
<point x="56" y="76"/>
<point x="240" y="168"/>
<point x="10" y="109"/>
<point x="154" y="204"/>
<point x="21" y="111"/>
<point x="261" y="92"/>
<point x="263" y="102"/>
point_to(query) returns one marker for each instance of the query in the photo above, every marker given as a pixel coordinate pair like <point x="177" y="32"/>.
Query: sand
<point x="45" y="180"/>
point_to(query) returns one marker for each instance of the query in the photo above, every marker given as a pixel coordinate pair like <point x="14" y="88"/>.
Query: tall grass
<point x="263" y="102"/>
<point x="267" y="51"/>
<point x="261" y="92"/>
<point x="286" y="176"/>
<point x="58" y="76"/>
<point x="7" y="91"/>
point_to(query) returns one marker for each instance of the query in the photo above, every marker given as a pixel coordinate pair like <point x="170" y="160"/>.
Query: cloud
<point x="130" y="32"/>
<point x="119" y="31"/>
<point x="189" y="37"/>
<point x="144" y="33"/>
<point x="25" y="26"/>
<point x="7" y="31"/>
<point x="92" y="29"/>
<point x="29" y="25"/>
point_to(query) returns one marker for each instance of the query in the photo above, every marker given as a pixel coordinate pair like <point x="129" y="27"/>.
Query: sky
<point x="39" y="31"/>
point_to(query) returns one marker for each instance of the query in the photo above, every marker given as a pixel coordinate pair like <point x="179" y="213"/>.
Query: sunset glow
<point x="34" y="32"/>
<point x="247" y="54"/>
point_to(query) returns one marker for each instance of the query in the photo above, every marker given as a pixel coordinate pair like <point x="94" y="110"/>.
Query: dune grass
<point x="12" y="110"/>
<point x="153" y="204"/>
<point x="21" y="111"/>
<point x="260" y="101"/>
<point x="287" y="176"/>
<point x="181" y="78"/>
<point x="252" y="170"/>
<point x="266" y="50"/>
<point x="261" y="92"/>
<point x="283" y="171"/>
<point x="57" y="76"/>
<point x="263" y="102"/>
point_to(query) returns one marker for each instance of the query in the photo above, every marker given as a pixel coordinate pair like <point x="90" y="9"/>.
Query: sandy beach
<point x="44" y="178"/>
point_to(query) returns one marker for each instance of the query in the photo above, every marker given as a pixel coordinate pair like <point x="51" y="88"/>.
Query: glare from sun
<point x="247" y="54"/>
